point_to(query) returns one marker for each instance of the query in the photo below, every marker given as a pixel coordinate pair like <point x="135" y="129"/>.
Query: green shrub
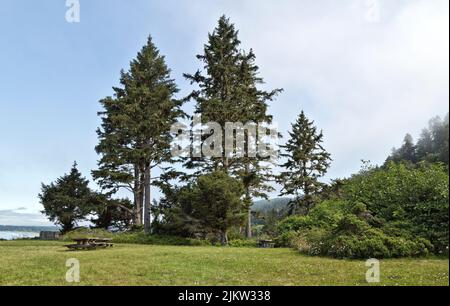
<point x="286" y="239"/>
<point x="134" y="238"/>
<point x="243" y="243"/>
<point x="87" y="233"/>
<point x="410" y="201"/>
<point x="394" y="211"/>
<point x="293" y="224"/>
<point x="370" y="243"/>
<point x="142" y="238"/>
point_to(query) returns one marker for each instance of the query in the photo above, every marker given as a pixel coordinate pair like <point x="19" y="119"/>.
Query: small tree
<point x="307" y="161"/>
<point x="215" y="203"/>
<point x="67" y="201"/>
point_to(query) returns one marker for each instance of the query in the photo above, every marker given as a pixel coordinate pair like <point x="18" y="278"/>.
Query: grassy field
<point x="43" y="263"/>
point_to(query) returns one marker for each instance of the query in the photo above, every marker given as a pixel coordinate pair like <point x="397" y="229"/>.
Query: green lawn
<point x="43" y="263"/>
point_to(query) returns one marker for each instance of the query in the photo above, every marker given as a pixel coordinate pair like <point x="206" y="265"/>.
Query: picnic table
<point x="266" y="244"/>
<point x="90" y="243"/>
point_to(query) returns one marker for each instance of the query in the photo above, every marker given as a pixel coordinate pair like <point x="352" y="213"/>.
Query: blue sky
<point x="366" y="71"/>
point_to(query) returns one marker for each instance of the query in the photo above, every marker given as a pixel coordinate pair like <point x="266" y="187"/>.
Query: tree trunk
<point x="249" y="223"/>
<point x="249" y="213"/>
<point x="148" y="201"/>
<point x="226" y="164"/>
<point x="141" y="193"/>
<point x="249" y="203"/>
<point x="225" y="237"/>
<point x="138" y="197"/>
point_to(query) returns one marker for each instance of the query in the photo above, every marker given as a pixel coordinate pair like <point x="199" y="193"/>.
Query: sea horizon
<point x="12" y="235"/>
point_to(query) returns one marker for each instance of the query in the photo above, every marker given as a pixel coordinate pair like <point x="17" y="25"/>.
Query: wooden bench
<point x="266" y="244"/>
<point x="90" y="243"/>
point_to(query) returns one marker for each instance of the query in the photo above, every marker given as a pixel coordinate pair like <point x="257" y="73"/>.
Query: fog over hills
<point x="277" y="204"/>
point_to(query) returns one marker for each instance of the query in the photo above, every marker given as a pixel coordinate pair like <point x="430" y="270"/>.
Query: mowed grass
<point x="44" y="263"/>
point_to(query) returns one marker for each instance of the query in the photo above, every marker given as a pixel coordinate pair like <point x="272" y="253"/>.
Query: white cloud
<point x="21" y="218"/>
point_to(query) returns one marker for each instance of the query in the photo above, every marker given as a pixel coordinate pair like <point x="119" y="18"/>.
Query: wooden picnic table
<point x="266" y="244"/>
<point x="90" y="243"/>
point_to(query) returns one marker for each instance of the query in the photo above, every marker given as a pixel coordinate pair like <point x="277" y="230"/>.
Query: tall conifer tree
<point x="228" y="92"/>
<point x="307" y="161"/>
<point x="135" y="134"/>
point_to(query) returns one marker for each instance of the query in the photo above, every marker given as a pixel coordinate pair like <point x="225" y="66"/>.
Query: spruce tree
<point x="227" y="89"/>
<point x="228" y="92"/>
<point x="213" y="204"/>
<point x="135" y="134"/>
<point x="307" y="161"/>
<point x="255" y="172"/>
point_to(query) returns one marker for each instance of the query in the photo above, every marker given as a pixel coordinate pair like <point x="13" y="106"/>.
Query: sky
<point x="367" y="72"/>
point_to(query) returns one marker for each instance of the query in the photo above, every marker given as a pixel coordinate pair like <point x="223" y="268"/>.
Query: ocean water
<point x="17" y="235"/>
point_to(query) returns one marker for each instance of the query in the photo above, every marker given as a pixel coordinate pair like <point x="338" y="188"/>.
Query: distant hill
<point x="277" y="204"/>
<point x="34" y="229"/>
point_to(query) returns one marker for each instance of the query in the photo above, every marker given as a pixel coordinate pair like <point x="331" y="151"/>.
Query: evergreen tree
<point x="229" y="92"/>
<point x="213" y="204"/>
<point x="431" y="147"/>
<point x="408" y="151"/>
<point x="135" y="134"/>
<point x="68" y="200"/>
<point x="256" y="177"/>
<point x="255" y="172"/>
<point x="307" y="161"/>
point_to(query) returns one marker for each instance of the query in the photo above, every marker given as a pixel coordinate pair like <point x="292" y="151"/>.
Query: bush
<point x="394" y="211"/>
<point x="243" y="243"/>
<point x="344" y="231"/>
<point x="355" y="239"/>
<point x="134" y="238"/>
<point x="373" y="244"/>
<point x="142" y="238"/>
<point x="294" y="224"/>
<point x="286" y="239"/>
<point x="296" y="230"/>
<point x="86" y="233"/>
<point x="411" y="201"/>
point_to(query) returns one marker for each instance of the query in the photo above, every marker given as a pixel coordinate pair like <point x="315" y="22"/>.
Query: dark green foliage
<point x="215" y="203"/>
<point x="307" y="161"/>
<point x="68" y="200"/>
<point x="111" y="213"/>
<point x="207" y="208"/>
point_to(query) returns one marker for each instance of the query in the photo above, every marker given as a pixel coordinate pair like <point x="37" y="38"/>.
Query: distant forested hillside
<point x="269" y="205"/>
